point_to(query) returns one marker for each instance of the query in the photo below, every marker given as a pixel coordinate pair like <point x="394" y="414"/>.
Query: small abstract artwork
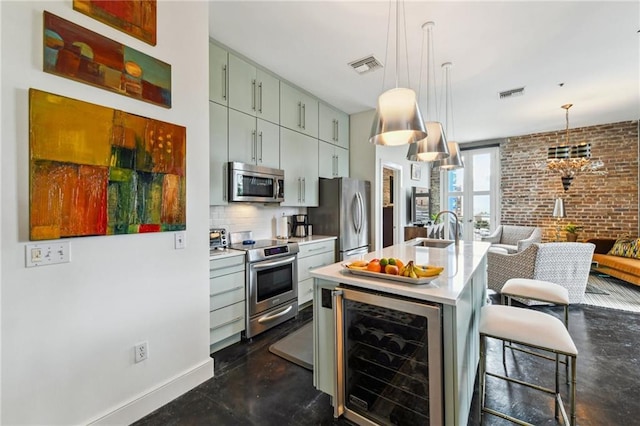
<point x="134" y="17"/>
<point x="79" y="54"/>
<point x="100" y="171"/>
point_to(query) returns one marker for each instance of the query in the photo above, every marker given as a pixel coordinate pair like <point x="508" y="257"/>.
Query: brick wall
<point x="606" y="206"/>
<point x="434" y="194"/>
<point x="387" y="174"/>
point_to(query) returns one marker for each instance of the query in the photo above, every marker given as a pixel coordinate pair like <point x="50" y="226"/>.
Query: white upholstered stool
<point x="543" y="291"/>
<point x="536" y="330"/>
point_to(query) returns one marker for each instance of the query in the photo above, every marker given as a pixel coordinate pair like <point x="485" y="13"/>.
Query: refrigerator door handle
<point x="360" y="211"/>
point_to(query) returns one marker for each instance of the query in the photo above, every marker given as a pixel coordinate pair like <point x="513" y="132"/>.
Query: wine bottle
<point x="395" y="344"/>
<point x="357" y="332"/>
<point x="374" y="337"/>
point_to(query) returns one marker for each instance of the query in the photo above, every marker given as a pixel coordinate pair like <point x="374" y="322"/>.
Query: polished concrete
<point x="255" y="387"/>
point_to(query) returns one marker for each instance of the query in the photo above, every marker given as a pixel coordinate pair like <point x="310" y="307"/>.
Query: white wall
<point x="68" y="330"/>
<point x="366" y="161"/>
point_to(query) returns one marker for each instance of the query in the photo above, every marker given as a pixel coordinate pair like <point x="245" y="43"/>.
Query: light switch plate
<point x="180" y="240"/>
<point x="42" y="254"/>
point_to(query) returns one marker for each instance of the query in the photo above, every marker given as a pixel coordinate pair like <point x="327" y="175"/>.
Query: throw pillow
<point x="626" y="247"/>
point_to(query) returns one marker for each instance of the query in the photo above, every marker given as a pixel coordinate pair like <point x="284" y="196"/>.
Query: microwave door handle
<point x="265" y="265"/>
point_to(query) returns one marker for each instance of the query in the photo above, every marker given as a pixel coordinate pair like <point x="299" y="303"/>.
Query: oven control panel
<point x="274" y="251"/>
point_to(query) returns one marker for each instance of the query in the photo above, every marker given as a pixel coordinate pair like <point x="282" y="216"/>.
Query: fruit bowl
<point x="362" y="271"/>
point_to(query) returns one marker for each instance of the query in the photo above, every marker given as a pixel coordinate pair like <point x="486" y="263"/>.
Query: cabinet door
<point x="218" y="75"/>
<point x="242" y="85"/>
<point x="342" y="162"/>
<point x="333" y="126"/>
<point x="298" y="111"/>
<point x="326" y="160"/>
<point x="310" y="179"/>
<point x="342" y="129"/>
<point x="242" y="137"/>
<point x="268" y="144"/>
<point x="218" y="154"/>
<point x="267" y="97"/>
<point x="299" y="160"/>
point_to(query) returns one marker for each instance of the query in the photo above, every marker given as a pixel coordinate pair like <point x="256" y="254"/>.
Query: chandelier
<point x="570" y="160"/>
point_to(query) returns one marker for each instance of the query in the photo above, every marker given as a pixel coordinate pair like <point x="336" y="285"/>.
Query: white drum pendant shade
<point x="433" y="147"/>
<point x="398" y="119"/>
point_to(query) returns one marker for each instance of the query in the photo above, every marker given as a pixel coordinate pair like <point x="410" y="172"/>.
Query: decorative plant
<point x="572" y="228"/>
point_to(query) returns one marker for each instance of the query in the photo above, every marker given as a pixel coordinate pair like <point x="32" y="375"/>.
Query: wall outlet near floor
<point x="47" y="253"/>
<point x="141" y="351"/>
<point x="180" y="240"/>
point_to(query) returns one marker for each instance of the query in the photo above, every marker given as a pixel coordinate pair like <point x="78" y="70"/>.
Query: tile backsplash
<point x="259" y="218"/>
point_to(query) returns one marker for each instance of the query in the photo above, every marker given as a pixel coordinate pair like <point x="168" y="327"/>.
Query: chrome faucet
<point x="457" y="239"/>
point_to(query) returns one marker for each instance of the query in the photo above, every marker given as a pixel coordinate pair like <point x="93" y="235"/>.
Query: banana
<point x="361" y="268"/>
<point x="359" y="263"/>
<point x="427" y="271"/>
<point x="406" y="270"/>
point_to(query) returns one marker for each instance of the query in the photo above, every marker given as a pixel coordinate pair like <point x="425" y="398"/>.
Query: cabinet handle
<point x="304" y="116"/>
<point x="337" y="130"/>
<point x="304" y="190"/>
<point x="253" y="94"/>
<point x="316" y="249"/>
<point x="260" y="146"/>
<point x="225" y="187"/>
<point x="299" y="190"/>
<point x="260" y="98"/>
<point x="253" y="145"/>
<point x="224" y="82"/>
<point x="335" y="165"/>
<point x="227" y="291"/>
<point x="236" y="319"/>
<point x="299" y="114"/>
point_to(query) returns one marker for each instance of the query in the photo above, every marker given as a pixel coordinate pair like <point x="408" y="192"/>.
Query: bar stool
<point x="543" y="291"/>
<point x="536" y="330"/>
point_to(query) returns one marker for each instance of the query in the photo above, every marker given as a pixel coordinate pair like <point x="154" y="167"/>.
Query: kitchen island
<point x="459" y="293"/>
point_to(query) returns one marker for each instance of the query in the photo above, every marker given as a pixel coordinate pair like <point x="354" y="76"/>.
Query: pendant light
<point x="434" y="146"/>
<point x="398" y="120"/>
<point x="455" y="159"/>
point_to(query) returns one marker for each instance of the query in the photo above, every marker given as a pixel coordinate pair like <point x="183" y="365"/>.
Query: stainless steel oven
<point x="272" y="284"/>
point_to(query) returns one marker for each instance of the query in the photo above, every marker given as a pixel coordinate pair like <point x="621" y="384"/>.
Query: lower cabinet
<point x="311" y="256"/>
<point x="226" y="301"/>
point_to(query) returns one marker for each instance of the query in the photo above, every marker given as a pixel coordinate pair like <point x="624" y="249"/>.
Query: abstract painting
<point x="100" y="171"/>
<point x="79" y="54"/>
<point x="134" y="17"/>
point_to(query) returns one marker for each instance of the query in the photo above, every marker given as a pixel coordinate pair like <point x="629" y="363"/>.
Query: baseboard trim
<point x="156" y="398"/>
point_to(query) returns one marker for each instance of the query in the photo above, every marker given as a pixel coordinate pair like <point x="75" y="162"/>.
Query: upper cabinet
<point x="218" y="74"/>
<point x="299" y="160"/>
<point x="218" y="153"/>
<point x="253" y="91"/>
<point x="298" y="111"/>
<point x="333" y="126"/>
<point x="253" y="141"/>
<point x="333" y="161"/>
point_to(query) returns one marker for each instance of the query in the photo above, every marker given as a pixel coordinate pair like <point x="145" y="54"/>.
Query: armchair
<point x="513" y="238"/>
<point x="566" y="264"/>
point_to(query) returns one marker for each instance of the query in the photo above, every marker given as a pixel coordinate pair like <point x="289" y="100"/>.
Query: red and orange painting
<point x="99" y="171"/>
<point x="134" y="17"/>
<point x="74" y="52"/>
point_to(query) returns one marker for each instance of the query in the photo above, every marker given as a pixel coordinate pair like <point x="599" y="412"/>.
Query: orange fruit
<point x="399" y="264"/>
<point x="391" y="269"/>
<point x="374" y="266"/>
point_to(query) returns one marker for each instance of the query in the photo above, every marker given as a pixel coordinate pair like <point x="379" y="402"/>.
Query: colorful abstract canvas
<point x="134" y="17"/>
<point x="79" y="54"/>
<point x="99" y="171"/>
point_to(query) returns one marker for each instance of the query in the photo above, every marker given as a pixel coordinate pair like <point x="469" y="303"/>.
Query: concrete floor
<point x="255" y="387"/>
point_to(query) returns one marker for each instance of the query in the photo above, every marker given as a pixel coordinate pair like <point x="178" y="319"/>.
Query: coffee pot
<point x="299" y="225"/>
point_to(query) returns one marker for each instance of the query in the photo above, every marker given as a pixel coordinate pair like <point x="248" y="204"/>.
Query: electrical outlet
<point x="47" y="253"/>
<point x="141" y="351"/>
<point x="180" y="240"/>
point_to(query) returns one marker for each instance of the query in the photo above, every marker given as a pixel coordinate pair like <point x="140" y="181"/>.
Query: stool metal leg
<point x="483" y="369"/>
<point x="557" y="404"/>
<point x="573" y="391"/>
<point x="566" y="358"/>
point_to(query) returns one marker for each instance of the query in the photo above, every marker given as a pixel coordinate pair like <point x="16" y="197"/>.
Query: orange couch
<point x="627" y="269"/>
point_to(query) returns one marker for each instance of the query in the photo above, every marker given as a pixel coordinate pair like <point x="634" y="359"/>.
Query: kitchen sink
<point x="435" y="243"/>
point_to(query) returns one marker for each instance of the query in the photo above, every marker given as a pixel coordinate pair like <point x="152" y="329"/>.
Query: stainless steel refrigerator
<point x="343" y="211"/>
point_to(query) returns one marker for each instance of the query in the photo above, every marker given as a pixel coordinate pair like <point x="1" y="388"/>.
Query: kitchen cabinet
<point x="218" y="154"/>
<point x="253" y="91"/>
<point x="310" y="256"/>
<point x="299" y="160"/>
<point x="253" y="140"/>
<point x="333" y="126"/>
<point x="333" y="161"/>
<point x="298" y="111"/>
<point x="218" y="74"/>
<point x="226" y="301"/>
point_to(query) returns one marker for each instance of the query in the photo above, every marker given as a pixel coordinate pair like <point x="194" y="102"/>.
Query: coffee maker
<point x="299" y="225"/>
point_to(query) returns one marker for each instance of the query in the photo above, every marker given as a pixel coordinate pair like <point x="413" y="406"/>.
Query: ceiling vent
<point x="511" y="93"/>
<point x="365" y="65"/>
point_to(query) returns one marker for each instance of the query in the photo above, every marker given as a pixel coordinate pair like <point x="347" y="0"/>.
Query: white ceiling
<point x="591" y="47"/>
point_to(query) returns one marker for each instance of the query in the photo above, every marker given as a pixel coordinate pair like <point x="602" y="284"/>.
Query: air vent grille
<point x="511" y="93"/>
<point x="365" y="65"/>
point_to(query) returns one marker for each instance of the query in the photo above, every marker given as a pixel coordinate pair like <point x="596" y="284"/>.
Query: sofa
<point x="513" y="238"/>
<point x="624" y="268"/>
<point x="566" y="264"/>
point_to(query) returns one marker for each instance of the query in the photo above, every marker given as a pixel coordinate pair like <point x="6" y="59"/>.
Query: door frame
<point x="399" y="204"/>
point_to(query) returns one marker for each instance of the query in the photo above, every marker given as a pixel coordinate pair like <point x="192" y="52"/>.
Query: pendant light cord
<point x="386" y="48"/>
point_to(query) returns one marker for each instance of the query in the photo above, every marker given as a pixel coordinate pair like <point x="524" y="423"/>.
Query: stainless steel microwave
<point x="255" y="184"/>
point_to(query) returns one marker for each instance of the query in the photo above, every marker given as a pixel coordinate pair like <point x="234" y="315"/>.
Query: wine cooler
<point x="388" y="359"/>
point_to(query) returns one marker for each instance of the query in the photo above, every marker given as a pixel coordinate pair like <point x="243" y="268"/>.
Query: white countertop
<point x="222" y="254"/>
<point x="310" y="239"/>
<point x="459" y="263"/>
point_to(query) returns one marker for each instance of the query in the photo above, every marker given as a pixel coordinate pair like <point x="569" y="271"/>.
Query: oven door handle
<point x="265" y="265"/>
<point x="278" y="314"/>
